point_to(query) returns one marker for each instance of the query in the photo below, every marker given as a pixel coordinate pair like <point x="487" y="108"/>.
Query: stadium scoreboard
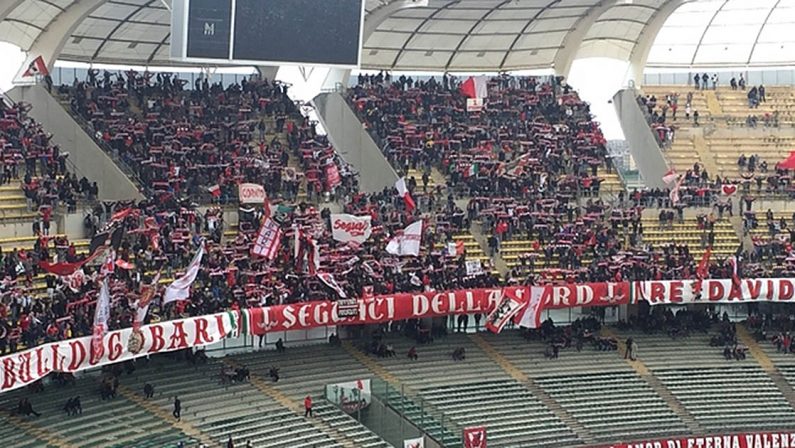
<point x="268" y="32"/>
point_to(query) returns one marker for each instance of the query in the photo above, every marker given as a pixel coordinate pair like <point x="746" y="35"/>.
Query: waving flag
<point x="331" y="282"/>
<point x="142" y="306"/>
<point x="475" y="87"/>
<point x="531" y="318"/>
<point x="670" y="176"/>
<point x="702" y="271"/>
<point x="268" y="240"/>
<point x="36" y="68"/>
<point x="180" y="288"/>
<point x="404" y="193"/>
<point x="101" y="316"/>
<point x="409" y="242"/>
<point x="513" y="301"/>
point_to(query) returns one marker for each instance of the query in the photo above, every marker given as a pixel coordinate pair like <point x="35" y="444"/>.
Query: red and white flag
<point x="142" y="306"/>
<point x="475" y="87"/>
<point x="418" y="442"/>
<point x="36" y="68"/>
<point x="409" y="242"/>
<point x="179" y="289"/>
<point x="531" y="318"/>
<point x="674" y="195"/>
<point x="404" y="193"/>
<point x="670" y="177"/>
<point x="268" y="240"/>
<point x="108" y="266"/>
<point x="101" y="316"/>
<point x="455" y="248"/>
<point x="76" y="280"/>
<point x="126" y="265"/>
<point x="475" y="437"/>
<point x="331" y="282"/>
<point x="215" y="190"/>
<point x="513" y="301"/>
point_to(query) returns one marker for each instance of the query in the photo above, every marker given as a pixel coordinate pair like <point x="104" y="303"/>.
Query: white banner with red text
<point x="251" y="193"/>
<point x="23" y="368"/>
<point x="347" y="228"/>
<point x="742" y="440"/>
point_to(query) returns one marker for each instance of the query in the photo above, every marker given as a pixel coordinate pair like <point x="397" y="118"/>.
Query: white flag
<point x="532" y="313"/>
<point x="101" y="316"/>
<point x="409" y="242"/>
<point x="180" y="288"/>
<point x="347" y="228"/>
<point x="670" y="176"/>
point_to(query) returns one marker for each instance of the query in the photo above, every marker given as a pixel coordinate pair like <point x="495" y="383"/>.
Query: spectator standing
<point x="149" y="391"/>
<point x="308" y="406"/>
<point x="177" y="413"/>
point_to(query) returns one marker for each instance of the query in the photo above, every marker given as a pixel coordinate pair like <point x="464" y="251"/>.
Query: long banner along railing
<point x="521" y="304"/>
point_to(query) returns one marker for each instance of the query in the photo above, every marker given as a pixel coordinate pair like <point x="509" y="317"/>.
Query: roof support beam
<point x="709" y="25"/>
<point x="532" y="21"/>
<point x="640" y="53"/>
<point x="50" y="42"/>
<point x="472" y="30"/>
<point x="377" y="16"/>
<point x="564" y="58"/>
<point x="6" y="6"/>
<point x="759" y="34"/>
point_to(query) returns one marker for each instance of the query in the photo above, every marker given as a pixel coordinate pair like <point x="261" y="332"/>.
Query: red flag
<point x="735" y="274"/>
<point x="788" y="163"/>
<point x="215" y="190"/>
<point x="122" y="214"/>
<point x="702" y="271"/>
<point x="36" y="68"/>
<point x="475" y="87"/>
<point x="67" y="268"/>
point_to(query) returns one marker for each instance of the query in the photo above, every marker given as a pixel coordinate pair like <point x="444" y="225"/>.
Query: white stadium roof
<point x="455" y="35"/>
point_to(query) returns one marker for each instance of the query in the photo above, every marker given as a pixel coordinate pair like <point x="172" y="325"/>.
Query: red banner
<point x="587" y="294"/>
<point x="372" y="310"/>
<point x="742" y="440"/>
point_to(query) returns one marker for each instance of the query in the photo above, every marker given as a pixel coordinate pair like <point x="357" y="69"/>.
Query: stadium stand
<point x="521" y="196"/>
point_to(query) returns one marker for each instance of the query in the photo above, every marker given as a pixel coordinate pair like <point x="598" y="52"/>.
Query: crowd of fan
<point x="178" y="142"/>
<point x="523" y="163"/>
<point x="164" y="236"/>
<point x="31" y="159"/>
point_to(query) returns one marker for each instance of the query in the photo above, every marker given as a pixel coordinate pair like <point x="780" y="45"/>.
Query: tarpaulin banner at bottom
<point x="784" y="439"/>
<point x="475" y="437"/>
<point x="419" y="442"/>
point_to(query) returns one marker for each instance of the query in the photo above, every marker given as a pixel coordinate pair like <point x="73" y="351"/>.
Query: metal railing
<point x="420" y="412"/>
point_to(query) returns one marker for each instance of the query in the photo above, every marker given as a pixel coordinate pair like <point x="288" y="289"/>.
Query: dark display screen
<point x="298" y="31"/>
<point x="209" y="29"/>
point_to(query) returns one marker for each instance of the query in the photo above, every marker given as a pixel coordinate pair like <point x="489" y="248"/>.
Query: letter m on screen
<point x="209" y="29"/>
